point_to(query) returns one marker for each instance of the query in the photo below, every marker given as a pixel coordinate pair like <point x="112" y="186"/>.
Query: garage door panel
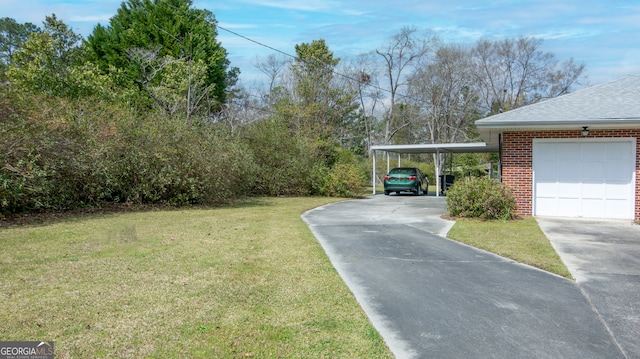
<point x="618" y="192"/>
<point x="567" y="207"/>
<point x="546" y="206"/>
<point x="584" y="178"/>
<point x="593" y="190"/>
<point x="619" y="151"/>
<point x="596" y="151"/>
<point x="616" y="209"/>
<point x="593" y="208"/>
<point x="568" y="171"/>
<point x="569" y="190"/>
<point x="614" y="175"/>
<point x="547" y="189"/>
<point x="566" y="153"/>
<point x="593" y="171"/>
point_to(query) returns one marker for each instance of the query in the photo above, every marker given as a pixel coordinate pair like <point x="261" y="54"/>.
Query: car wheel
<point x="386" y="193"/>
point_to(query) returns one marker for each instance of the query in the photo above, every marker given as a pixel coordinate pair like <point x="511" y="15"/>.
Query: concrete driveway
<point x="604" y="258"/>
<point x="431" y="297"/>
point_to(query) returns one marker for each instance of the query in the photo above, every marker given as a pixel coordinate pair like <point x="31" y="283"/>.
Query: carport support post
<point x="374" y="172"/>
<point x="437" y="172"/>
<point x="388" y="160"/>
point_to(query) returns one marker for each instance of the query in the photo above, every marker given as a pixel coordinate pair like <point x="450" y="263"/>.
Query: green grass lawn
<point x="520" y="240"/>
<point x="248" y="280"/>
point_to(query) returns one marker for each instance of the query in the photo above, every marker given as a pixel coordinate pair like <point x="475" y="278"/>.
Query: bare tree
<point x="239" y="112"/>
<point x="513" y="73"/>
<point x="272" y="66"/>
<point x="403" y="51"/>
<point x="182" y="85"/>
<point x="151" y="63"/>
<point x="449" y="100"/>
<point x="445" y="96"/>
<point x="364" y="79"/>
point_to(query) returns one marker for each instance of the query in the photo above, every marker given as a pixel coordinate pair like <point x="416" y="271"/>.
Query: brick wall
<point x="517" y="165"/>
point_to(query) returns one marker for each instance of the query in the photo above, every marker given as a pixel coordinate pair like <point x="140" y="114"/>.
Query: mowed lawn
<point x="246" y="281"/>
<point x="521" y="240"/>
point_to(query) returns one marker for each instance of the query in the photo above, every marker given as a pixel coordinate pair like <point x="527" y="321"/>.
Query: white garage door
<point x="584" y="178"/>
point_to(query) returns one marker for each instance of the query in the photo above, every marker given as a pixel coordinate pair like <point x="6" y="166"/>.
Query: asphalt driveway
<point x="431" y="297"/>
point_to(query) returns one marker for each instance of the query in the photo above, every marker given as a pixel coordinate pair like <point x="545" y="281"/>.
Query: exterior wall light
<point x="585" y="131"/>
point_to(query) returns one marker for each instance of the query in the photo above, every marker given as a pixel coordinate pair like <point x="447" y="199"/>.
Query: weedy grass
<point x="248" y="280"/>
<point x="521" y="240"/>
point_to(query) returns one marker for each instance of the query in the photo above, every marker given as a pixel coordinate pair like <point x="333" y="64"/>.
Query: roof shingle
<point x="612" y="102"/>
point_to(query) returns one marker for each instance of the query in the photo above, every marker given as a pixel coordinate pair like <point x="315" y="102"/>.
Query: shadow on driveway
<point x="430" y="297"/>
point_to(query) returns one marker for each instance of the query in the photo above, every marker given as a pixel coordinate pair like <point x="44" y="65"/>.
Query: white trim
<point x="633" y="161"/>
<point x="436" y="147"/>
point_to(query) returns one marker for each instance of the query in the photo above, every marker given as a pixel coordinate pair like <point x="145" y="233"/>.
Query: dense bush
<point x="481" y="197"/>
<point x="345" y="175"/>
<point x="60" y="155"/>
<point x="290" y="165"/>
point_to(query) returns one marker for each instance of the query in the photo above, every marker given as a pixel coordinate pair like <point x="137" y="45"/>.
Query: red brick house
<point x="577" y="155"/>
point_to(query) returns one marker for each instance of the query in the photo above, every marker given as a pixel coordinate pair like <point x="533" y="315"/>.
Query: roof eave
<point x="560" y="124"/>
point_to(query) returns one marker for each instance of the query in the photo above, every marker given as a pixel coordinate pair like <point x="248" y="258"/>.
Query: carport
<point x="473" y="147"/>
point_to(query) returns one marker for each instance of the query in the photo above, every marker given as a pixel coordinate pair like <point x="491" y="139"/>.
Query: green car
<point x="405" y="179"/>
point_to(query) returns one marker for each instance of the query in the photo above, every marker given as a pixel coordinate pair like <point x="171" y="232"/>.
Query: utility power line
<point x="376" y="87"/>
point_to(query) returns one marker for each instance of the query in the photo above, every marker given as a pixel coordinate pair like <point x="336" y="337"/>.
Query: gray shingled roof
<point x="612" y="102"/>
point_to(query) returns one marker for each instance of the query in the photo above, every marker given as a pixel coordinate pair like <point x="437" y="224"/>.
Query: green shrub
<point x="291" y="165"/>
<point x="282" y="162"/>
<point x="343" y="180"/>
<point x="60" y="154"/>
<point x="481" y="197"/>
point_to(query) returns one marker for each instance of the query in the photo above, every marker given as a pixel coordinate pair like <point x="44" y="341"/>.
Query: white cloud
<point x="104" y="18"/>
<point x="308" y="5"/>
<point x="237" y="26"/>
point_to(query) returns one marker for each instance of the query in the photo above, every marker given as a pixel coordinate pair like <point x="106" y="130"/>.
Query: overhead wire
<point x="348" y="77"/>
<point x="335" y="72"/>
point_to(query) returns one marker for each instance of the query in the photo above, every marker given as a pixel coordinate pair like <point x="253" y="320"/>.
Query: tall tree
<point x="52" y="62"/>
<point x="445" y="97"/>
<point x="405" y="50"/>
<point x="170" y="28"/>
<point x="364" y="79"/>
<point x="513" y="73"/>
<point x="272" y="66"/>
<point x="323" y="105"/>
<point x="12" y="36"/>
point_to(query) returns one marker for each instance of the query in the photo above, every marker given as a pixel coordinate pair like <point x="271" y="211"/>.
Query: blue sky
<point x="604" y="34"/>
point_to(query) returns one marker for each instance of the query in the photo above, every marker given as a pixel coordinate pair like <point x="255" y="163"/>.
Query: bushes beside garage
<point x="481" y="197"/>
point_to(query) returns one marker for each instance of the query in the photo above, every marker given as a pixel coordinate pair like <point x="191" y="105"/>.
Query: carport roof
<point x="438" y="148"/>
